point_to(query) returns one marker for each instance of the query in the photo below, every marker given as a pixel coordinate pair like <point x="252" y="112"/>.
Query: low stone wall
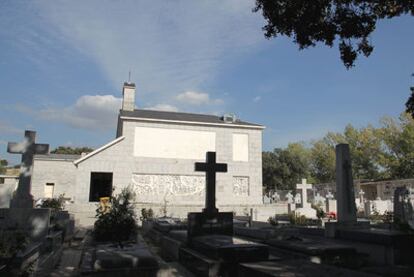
<point x="85" y="213"/>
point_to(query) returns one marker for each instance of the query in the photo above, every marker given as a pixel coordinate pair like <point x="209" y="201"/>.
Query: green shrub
<point x="56" y="204"/>
<point x="273" y="221"/>
<point x="119" y="223"/>
<point x="296" y="219"/>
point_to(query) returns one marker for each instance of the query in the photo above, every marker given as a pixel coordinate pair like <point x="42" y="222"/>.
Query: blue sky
<point x="63" y="64"/>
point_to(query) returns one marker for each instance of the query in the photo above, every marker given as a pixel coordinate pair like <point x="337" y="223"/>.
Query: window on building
<point x="49" y="188"/>
<point x="100" y="185"/>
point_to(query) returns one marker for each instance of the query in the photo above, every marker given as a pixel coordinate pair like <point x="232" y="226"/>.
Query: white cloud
<point x="163" y="107"/>
<point x="197" y="98"/>
<point x="194" y="98"/>
<point x="91" y="112"/>
<point x="257" y="99"/>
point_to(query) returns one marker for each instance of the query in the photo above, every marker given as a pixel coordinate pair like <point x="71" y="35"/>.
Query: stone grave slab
<point x="255" y="232"/>
<point x="296" y="268"/>
<point x="34" y="221"/>
<point x="28" y="257"/>
<point x="199" y="264"/>
<point x="318" y="249"/>
<point x="166" y="224"/>
<point x="171" y="244"/>
<point x="230" y="249"/>
<point x="110" y="260"/>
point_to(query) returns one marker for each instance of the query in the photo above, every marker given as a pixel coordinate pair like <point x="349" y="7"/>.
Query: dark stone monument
<point x="210" y="221"/>
<point x="212" y="247"/>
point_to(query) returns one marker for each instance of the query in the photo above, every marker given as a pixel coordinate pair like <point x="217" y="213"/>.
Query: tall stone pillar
<point x="345" y="196"/>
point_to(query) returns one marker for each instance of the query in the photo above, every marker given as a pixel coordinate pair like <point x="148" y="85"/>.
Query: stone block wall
<point x="62" y="173"/>
<point x="119" y="159"/>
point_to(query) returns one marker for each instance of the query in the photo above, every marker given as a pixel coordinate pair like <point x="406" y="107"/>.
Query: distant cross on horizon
<point x="28" y="148"/>
<point x="211" y="168"/>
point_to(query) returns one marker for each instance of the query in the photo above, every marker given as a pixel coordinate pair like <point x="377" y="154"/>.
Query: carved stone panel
<point x="241" y="185"/>
<point x="151" y="188"/>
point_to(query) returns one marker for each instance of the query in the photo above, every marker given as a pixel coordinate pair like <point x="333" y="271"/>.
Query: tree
<point x="3" y="165"/>
<point x="409" y="105"/>
<point x="366" y="150"/>
<point x="284" y="168"/>
<point x="350" y="22"/>
<point x="322" y="165"/>
<point x="398" y="139"/>
<point x="70" y="150"/>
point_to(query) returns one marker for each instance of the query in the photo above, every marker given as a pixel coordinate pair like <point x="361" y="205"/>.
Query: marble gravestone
<point x="306" y="209"/>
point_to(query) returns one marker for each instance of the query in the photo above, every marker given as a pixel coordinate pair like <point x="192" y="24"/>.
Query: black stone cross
<point x="28" y="148"/>
<point x="210" y="167"/>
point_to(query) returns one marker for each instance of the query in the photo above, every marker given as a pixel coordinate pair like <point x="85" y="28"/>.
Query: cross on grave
<point x="28" y="148"/>
<point x="361" y="195"/>
<point x="211" y="167"/>
<point x="304" y="187"/>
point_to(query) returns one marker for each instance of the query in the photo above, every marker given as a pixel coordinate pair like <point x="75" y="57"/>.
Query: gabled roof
<point x="204" y="119"/>
<point x="98" y="150"/>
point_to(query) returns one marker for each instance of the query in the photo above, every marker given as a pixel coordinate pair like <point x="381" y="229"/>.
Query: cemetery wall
<point x="8" y="185"/>
<point x="85" y="213"/>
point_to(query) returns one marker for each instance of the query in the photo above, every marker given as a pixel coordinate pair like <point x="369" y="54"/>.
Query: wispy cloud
<point x="257" y="99"/>
<point x="7" y="129"/>
<point x="170" y="46"/>
<point x="163" y="107"/>
<point x="91" y="112"/>
<point x="197" y="98"/>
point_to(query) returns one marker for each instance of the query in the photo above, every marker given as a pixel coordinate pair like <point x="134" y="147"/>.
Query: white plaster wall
<point x="61" y="173"/>
<point x="241" y="147"/>
<point x="172" y="143"/>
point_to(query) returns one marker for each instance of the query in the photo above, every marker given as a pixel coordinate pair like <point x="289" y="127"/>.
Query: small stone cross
<point x="361" y="195"/>
<point x="329" y="195"/>
<point x="304" y="187"/>
<point x="28" y="148"/>
<point x="211" y="167"/>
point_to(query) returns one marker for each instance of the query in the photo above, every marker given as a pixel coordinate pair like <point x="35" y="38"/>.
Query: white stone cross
<point x="361" y="195"/>
<point x="289" y="198"/>
<point x="329" y="195"/>
<point x="304" y="187"/>
<point x="28" y="148"/>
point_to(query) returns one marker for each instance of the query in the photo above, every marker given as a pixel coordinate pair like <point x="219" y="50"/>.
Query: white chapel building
<point x="154" y="153"/>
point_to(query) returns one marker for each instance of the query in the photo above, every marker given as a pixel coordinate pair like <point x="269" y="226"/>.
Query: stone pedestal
<point x="201" y="224"/>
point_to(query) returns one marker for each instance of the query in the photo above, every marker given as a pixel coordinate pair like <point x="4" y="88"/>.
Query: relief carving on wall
<point x="241" y="185"/>
<point x="155" y="188"/>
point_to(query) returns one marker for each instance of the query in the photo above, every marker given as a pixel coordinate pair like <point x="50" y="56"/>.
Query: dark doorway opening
<point x="100" y="186"/>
